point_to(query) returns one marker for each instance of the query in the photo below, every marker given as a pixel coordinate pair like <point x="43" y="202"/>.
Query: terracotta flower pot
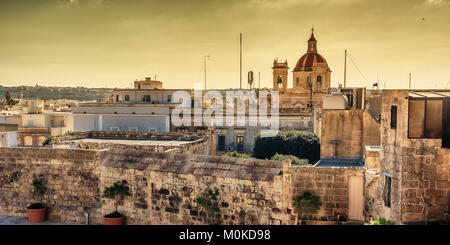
<point x="36" y="215"/>
<point x="114" y="221"/>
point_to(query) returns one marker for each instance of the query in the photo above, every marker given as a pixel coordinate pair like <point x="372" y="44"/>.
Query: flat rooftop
<point x="343" y="162"/>
<point x="135" y="142"/>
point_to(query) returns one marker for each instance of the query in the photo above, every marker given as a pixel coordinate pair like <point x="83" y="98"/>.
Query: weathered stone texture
<point x="164" y="186"/>
<point x="419" y="168"/>
<point x="355" y="129"/>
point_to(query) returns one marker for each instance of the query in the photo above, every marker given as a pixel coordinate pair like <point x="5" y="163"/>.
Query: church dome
<point x="310" y="60"/>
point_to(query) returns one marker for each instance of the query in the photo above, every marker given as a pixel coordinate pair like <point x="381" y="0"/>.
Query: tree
<point x="8" y="99"/>
<point x="301" y="144"/>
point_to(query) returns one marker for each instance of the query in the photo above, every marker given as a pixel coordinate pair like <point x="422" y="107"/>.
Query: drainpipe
<point x="86" y="218"/>
<point x="334" y="142"/>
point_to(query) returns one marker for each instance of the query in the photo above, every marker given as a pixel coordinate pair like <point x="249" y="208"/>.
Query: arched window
<point x="298" y="81"/>
<point x="319" y="79"/>
<point x="280" y="79"/>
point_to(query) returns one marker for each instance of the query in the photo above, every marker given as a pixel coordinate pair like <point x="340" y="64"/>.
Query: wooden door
<point x="356" y="198"/>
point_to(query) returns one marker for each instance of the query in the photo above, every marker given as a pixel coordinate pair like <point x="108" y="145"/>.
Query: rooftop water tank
<point x="334" y="102"/>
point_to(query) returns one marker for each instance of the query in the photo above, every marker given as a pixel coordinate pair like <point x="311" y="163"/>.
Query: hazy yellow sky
<point x="110" y="43"/>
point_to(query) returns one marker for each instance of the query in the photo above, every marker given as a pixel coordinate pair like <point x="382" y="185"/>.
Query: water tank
<point x="334" y="102"/>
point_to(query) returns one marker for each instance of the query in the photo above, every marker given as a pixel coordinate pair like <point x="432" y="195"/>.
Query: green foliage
<point x="38" y="187"/>
<point x="75" y="93"/>
<point x="72" y="133"/>
<point x="307" y="203"/>
<point x="294" y="159"/>
<point x="301" y="144"/>
<point x="209" y="201"/>
<point x="117" y="191"/>
<point x="236" y="154"/>
<point x="380" y="221"/>
<point x="9" y="100"/>
<point x="68" y="133"/>
<point x="47" y="140"/>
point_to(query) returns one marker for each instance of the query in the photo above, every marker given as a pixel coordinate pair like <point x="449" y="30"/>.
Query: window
<point x="117" y="98"/>
<point x="446" y="124"/>
<point x="221" y="142"/>
<point x="319" y="79"/>
<point x="115" y="129"/>
<point x="387" y="190"/>
<point x="240" y="143"/>
<point x="393" y="116"/>
<point x="308" y="79"/>
<point x="152" y="130"/>
<point x="146" y="98"/>
<point x="132" y="129"/>
<point x="280" y="80"/>
<point x="298" y="81"/>
<point x="169" y="98"/>
<point x="127" y="97"/>
<point x="425" y="118"/>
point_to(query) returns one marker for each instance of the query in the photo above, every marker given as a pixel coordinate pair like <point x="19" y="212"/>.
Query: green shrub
<point x="209" y="201"/>
<point x="39" y="189"/>
<point x="72" y="133"/>
<point x="301" y="144"/>
<point x="380" y="221"/>
<point x="236" y="154"/>
<point x="307" y="203"/>
<point x="117" y="191"/>
<point x="47" y="140"/>
<point x="294" y="159"/>
<point x="38" y="186"/>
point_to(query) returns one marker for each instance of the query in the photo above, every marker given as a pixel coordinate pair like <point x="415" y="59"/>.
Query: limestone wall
<point x="72" y="181"/>
<point x="419" y="168"/>
<point x="355" y="129"/>
<point x="165" y="185"/>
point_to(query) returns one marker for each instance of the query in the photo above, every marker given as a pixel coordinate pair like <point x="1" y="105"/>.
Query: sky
<point x="111" y="43"/>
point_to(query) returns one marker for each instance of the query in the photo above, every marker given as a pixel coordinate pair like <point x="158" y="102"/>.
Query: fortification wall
<point x="164" y="186"/>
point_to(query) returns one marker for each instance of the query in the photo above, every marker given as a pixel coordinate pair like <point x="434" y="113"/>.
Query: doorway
<point x="356" y="198"/>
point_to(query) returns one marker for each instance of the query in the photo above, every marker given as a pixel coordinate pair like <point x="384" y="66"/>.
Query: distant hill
<point x="70" y="93"/>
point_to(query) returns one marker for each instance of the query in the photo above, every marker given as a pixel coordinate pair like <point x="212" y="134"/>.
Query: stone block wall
<point x="164" y="186"/>
<point x="355" y="129"/>
<point x="419" y="168"/>
<point x="331" y="184"/>
<point x="72" y="181"/>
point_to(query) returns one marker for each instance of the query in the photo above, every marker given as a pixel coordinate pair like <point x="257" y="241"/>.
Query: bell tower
<point x="280" y="75"/>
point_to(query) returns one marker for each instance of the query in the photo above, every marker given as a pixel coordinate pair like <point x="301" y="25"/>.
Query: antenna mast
<point x="240" y="61"/>
<point x="205" y="57"/>
<point x="410" y="80"/>
<point x="345" y="68"/>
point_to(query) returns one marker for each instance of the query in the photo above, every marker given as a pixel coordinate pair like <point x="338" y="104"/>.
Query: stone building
<point x="412" y="184"/>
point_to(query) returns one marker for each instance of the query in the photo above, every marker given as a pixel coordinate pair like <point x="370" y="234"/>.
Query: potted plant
<point x="36" y="211"/>
<point x="307" y="203"/>
<point x="117" y="191"/>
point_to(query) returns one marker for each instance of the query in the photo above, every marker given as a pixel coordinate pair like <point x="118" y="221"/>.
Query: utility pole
<point x="345" y="68"/>
<point x="259" y="80"/>
<point x="240" y="61"/>
<point x="410" y="80"/>
<point x="204" y="61"/>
